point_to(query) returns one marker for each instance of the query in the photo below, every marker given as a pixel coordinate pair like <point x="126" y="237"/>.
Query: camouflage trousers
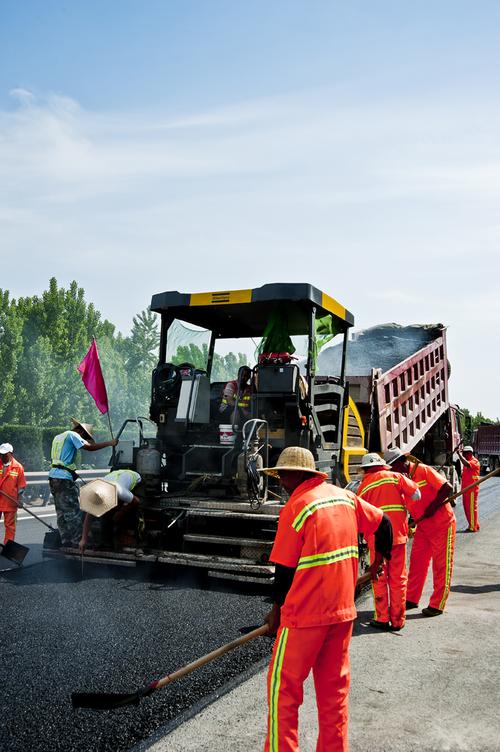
<point x="69" y="515"/>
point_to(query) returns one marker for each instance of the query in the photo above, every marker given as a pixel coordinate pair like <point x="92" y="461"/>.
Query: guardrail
<point x="38" y="477"/>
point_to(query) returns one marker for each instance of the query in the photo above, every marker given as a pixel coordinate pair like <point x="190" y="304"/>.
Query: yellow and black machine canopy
<point x="245" y="313"/>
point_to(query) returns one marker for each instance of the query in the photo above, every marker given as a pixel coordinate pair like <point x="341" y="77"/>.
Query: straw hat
<point x="98" y="497"/>
<point x="372" y="460"/>
<point x="294" y="459"/>
<point x="87" y="427"/>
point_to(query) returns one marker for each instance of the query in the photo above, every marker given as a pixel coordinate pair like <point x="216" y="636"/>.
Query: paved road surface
<point x="116" y="629"/>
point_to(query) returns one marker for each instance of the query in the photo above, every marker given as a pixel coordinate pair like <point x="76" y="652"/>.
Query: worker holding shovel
<point x="435" y="535"/>
<point x="316" y="557"/>
<point x="470" y="473"/>
<point x="12" y="483"/>
<point x="390" y="492"/>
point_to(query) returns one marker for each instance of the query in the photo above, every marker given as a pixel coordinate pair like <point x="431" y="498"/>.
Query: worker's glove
<point x="272" y="619"/>
<point x="411" y="531"/>
<point x="377" y="567"/>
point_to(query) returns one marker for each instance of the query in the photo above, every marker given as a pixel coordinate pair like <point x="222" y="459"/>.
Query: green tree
<point x="11" y="347"/>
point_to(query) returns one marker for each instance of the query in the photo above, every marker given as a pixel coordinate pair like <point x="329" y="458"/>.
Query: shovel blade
<point x="14" y="552"/>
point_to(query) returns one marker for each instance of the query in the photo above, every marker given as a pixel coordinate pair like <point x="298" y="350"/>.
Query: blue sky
<point x="212" y="145"/>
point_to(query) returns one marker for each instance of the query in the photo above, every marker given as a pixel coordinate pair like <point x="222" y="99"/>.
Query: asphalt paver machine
<point x="204" y="501"/>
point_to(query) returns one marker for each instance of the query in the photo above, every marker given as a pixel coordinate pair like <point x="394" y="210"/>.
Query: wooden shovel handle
<point x="472" y="485"/>
<point x="260" y="631"/>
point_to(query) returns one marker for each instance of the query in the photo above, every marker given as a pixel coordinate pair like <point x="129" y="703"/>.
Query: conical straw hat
<point x="98" y="497"/>
<point x="87" y="427"/>
<point x="296" y="459"/>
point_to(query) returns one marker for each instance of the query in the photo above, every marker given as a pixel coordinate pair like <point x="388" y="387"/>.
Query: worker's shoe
<point x="411" y="604"/>
<point x="430" y="611"/>
<point x="396" y="628"/>
<point x="383" y="625"/>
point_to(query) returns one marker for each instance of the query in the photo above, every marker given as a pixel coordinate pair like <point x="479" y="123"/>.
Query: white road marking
<point x="29" y="517"/>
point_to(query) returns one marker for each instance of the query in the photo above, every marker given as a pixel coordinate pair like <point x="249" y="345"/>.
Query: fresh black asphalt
<point x="114" y="630"/>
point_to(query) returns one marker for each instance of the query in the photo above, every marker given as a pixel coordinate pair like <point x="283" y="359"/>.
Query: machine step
<point x="227" y="540"/>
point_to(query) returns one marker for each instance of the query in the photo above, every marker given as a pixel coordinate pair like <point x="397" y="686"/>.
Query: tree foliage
<point x="44" y="337"/>
<point x="42" y="340"/>
<point x="224" y="367"/>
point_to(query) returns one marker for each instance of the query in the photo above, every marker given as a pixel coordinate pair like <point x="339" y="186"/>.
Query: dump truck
<point x="398" y="379"/>
<point x="204" y="501"/>
<point x="486" y="443"/>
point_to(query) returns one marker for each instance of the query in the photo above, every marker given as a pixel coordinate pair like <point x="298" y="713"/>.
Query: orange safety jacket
<point x="318" y="536"/>
<point x="471" y="474"/>
<point x="389" y="491"/>
<point x="429" y="481"/>
<point x="11" y="481"/>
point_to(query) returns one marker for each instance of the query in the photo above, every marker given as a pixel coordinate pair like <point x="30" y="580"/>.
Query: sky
<point x="194" y="146"/>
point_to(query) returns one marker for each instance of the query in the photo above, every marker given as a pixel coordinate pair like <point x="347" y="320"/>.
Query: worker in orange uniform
<point x="435" y="534"/>
<point x="316" y="558"/>
<point x="390" y="492"/>
<point x="12" y="483"/>
<point x="470" y="474"/>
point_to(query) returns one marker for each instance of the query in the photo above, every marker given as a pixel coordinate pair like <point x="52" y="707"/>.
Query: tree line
<point x="44" y="337"/>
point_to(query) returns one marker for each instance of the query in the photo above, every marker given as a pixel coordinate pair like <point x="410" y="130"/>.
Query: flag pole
<point x="110" y="426"/>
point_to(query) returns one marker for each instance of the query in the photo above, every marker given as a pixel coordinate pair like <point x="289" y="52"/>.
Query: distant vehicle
<point x="486" y="443"/>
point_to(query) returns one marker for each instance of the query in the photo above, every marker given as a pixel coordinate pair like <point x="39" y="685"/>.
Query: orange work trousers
<point x="436" y="543"/>
<point x="389" y="591"/>
<point x="297" y="650"/>
<point x="470" y="509"/>
<point x="9" y="521"/>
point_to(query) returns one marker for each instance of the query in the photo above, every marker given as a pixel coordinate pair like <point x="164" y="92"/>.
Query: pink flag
<point x="92" y="377"/>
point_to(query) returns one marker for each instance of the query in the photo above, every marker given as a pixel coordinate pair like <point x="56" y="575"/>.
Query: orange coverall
<point x="11" y="481"/>
<point x="470" y="475"/>
<point x="317" y="536"/>
<point x="389" y="492"/>
<point x="434" y="539"/>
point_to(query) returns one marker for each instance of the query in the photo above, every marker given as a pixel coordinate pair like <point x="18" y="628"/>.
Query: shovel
<point x="112" y="700"/>
<point x="20" y="504"/>
<point x="14" y="552"/>
<point x="463" y="491"/>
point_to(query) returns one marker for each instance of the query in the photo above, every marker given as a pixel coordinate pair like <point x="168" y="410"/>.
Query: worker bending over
<point x="125" y="481"/>
<point x="316" y="557"/>
<point x="62" y="478"/>
<point x="435" y="534"/>
<point x="470" y="474"/>
<point x="390" y="492"/>
<point x="13" y="484"/>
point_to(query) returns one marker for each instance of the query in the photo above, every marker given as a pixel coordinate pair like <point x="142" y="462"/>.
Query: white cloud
<point x="390" y="207"/>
